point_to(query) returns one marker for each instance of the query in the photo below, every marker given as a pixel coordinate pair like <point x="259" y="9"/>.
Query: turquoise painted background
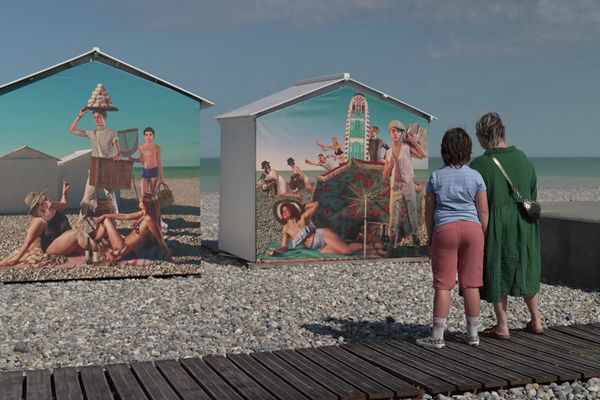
<point x="293" y="131"/>
<point x="39" y="114"/>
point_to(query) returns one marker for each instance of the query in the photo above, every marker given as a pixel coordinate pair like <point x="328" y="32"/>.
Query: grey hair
<point x="490" y="130"/>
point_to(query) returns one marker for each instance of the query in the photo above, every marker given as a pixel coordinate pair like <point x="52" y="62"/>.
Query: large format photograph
<point x="102" y="172"/>
<point x="340" y="176"/>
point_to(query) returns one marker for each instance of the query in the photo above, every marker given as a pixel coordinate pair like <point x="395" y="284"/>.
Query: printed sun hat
<point x="278" y="209"/>
<point x="33" y="198"/>
<point x="396" y="124"/>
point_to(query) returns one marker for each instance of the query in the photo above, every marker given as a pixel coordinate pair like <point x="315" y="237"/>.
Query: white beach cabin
<point x="22" y="171"/>
<point x="309" y="98"/>
<point x="73" y="168"/>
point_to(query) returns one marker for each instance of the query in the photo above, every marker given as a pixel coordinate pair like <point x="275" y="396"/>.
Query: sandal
<point x="531" y="329"/>
<point x="492" y="333"/>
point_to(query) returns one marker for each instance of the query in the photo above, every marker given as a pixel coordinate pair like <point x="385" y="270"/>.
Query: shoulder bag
<point x="532" y="208"/>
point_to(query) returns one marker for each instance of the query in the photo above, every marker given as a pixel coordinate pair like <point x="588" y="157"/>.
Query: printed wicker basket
<point x="111" y="174"/>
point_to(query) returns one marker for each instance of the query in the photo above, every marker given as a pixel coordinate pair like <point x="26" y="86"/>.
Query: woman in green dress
<point x="512" y="250"/>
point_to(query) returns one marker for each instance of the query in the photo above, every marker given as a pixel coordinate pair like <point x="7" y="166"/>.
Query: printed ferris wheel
<point x="357" y="129"/>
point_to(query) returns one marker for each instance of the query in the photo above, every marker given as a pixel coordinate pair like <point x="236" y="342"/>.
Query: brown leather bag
<point x="165" y="195"/>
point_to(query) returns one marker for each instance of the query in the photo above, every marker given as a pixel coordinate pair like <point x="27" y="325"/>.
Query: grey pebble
<point x="21" y="347"/>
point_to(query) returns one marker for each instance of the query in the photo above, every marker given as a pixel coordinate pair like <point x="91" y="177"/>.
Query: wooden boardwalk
<point x="371" y="370"/>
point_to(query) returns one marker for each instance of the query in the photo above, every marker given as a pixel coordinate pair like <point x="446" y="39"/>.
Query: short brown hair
<point x="456" y="147"/>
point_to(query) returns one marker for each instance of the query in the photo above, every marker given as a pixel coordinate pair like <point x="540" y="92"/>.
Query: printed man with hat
<point x="398" y="168"/>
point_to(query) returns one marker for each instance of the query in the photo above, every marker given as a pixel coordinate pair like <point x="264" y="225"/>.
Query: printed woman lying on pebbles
<point x="145" y="227"/>
<point x="299" y="229"/>
<point x="51" y="226"/>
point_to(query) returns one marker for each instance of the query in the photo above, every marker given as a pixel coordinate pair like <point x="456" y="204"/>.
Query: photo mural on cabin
<point x="93" y="156"/>
<point x="338" y="178"/>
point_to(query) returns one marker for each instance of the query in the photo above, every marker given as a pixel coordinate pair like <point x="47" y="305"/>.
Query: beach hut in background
<point x="239" y="232"/>
<point x="73" y="168"/>
<point x="22" y="171"/>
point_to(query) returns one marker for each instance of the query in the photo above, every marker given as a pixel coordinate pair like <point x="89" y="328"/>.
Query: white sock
<point x="438" y="327"/>
<point x="472" y="325"/>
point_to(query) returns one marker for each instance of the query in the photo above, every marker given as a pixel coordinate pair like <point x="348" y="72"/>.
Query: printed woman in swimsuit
<point x="298" y="228"/>
<point x="150" y="157"/>
<point x="51" y="226"/>
<point x="146" y="226"/>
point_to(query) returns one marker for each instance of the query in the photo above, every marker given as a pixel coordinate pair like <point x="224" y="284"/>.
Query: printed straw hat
<point x="396" y="124"/>
<point x="33" y="198"/>
<point x="278" y="209"/>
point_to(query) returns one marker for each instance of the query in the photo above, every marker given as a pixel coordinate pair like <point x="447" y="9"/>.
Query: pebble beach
<point x="229" y="308"/>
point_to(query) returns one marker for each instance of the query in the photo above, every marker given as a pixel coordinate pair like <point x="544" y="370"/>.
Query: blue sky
<point x="534" y="62"/>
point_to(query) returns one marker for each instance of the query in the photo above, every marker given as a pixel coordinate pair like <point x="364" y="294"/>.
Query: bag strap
<point x="512" y="185"/>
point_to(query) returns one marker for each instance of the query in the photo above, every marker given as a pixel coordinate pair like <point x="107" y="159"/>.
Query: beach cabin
<point x="314" y="149"/>
<point x="84" y="103"/>
<point x="22" y="171"/>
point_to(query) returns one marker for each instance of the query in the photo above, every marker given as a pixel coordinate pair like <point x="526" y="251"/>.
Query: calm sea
<point x="551" y="171"/>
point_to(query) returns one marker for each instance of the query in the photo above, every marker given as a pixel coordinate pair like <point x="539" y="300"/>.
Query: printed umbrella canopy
<point x="349" y="196"/>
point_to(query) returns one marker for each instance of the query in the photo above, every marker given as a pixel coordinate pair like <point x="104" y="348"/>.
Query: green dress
<point x="512" y="250"/>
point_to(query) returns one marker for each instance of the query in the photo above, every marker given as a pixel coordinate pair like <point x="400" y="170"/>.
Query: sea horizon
<point x="551" y="171"/>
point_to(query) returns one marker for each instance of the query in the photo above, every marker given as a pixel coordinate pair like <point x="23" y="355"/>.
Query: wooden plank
<point x="209" y="380"/>
<point x="541" y="360"/>
<point x="405" y="372"/>
<point x="66" y="384"/>
<point x="95" y="386"/>
<point x="442" y="368"/>
<point x="360" y="381"/>
<point x="507" y="376"/>
<point x="265" y="378"/>
<point x="289" y="374"/>
<point x="577" y="333"/>
<point x="541" y="373"/>
<point x="566" y="343"/>
<point x="492" y="359"/>
<point x="550" y="348"/>
<point x="585" y="366"/>
<point x="560" y="341"/>
<point x="38" y="385"/>
<point x="153" y="383"/>
<point x="399" y="387"/>
<point x="180" y="380"/>
<point x="485" y="379"/>
<point x="236" y="378"/>
<point x="11" y="385"/>
<point x="588" y="328"/>
<point x="124" y="383"/>
<point x="343" y="389"/>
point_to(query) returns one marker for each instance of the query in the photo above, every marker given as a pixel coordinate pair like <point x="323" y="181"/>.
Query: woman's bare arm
<point x="64" y="200"/>
<point x="284" y="243"/>
<point x="310" y="209"/>
<point x="122" y="217"/>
